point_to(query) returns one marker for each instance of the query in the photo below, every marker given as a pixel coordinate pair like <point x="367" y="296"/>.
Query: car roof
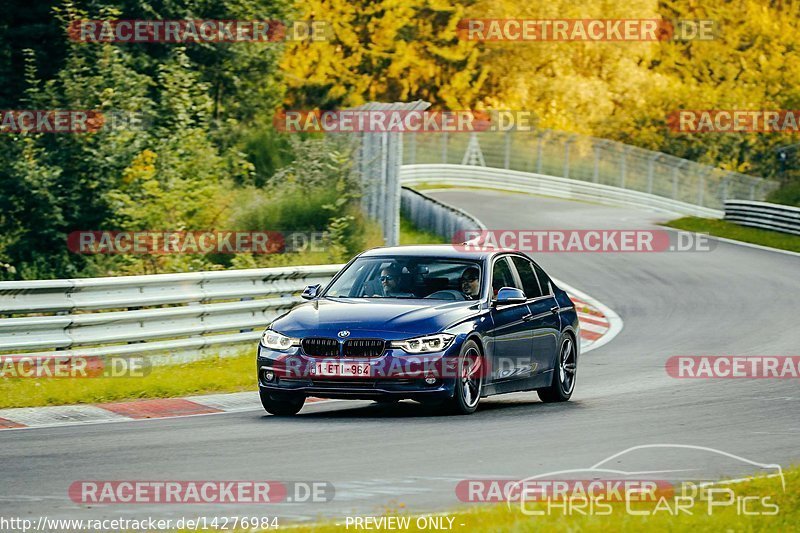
<point x="448" y="251"/>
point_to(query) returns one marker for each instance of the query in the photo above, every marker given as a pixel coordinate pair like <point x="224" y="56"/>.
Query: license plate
<point x="343" y="369"/>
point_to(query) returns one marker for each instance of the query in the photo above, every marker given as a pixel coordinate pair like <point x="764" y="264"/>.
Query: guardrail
<point x="180" y="316"/>
<point x="514" y="180"/>
<point x="764" y="215"/>
<point x="435" y="216"/>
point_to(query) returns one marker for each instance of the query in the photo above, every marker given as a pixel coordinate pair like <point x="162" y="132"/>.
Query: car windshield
<point x="409" y="277"/>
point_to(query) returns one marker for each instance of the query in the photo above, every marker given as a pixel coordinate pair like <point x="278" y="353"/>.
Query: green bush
<point x="788" y="194"/>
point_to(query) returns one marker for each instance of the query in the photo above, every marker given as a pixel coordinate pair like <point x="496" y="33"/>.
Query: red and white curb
<point x="599" y="325"/>
<point x="159" y="408"/>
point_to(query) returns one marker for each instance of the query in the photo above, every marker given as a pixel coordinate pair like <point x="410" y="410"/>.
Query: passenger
<point x="470" y="283"/>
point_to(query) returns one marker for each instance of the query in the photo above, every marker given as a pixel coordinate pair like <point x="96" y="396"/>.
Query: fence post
<point x="385" y="215"/>
<point x="529" y="167"/>
<point x="725" y="189"/>
<point x="675" y="171"/>
<point x="507" y="155"/>
<point x="394" y="160"/>
<point x="567" y="144"/>
<point x="369" y="181"/>
<point x="596" y="146"/>
<point x="650" y="164"/>
<point x="623" y="167"/>
<point x="444" y="147"/>
<point x="701" y="187"/>
<point x="539" y="140"/>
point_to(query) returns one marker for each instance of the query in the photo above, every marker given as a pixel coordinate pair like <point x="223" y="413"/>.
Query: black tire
<point x="564" y="373"/>
<point x="289" y="406"/>
<point x="469" y="380"/>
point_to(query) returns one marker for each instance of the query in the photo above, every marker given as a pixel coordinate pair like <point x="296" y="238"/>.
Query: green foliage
<point x="175" y="173"/>
<point x="384" y="50"/>
<point x="315" y="192"/>
<point x="788" y="194"/>
<point x="411" y="234"/>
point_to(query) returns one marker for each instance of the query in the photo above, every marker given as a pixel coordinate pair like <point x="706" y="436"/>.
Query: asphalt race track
<point x="734" y="300"/>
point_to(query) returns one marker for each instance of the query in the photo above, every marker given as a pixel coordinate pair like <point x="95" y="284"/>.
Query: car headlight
<point x="275" y="341"/>
<point x="426" y="344"/>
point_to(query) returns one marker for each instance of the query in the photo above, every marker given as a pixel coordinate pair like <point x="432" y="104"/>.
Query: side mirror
<point x="510" y="295"/>
<point x="311" y="291"/>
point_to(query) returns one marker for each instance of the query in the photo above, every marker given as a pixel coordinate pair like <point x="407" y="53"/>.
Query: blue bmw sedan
<point x="436" y="324"/>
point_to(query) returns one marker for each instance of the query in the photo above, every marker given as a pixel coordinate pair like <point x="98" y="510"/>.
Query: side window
<point x="501" y="276"/>
<point x="529" y="282"/>
<point x="544" y="281"/>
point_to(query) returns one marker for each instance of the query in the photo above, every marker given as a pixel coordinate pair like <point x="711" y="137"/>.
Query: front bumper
<point x="394" y="374"/>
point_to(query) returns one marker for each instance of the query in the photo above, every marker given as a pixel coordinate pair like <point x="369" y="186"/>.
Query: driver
<point x="470" y="282"/>
<point x="390" y="279"/>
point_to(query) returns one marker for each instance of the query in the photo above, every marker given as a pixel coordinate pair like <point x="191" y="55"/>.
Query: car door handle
<point x="529" y="317"/>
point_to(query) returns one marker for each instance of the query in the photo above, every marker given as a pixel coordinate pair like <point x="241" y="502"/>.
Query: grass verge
<point x="761" y="495"/>
<point x="411" y="234"/>
<point x="729" y="230"/>
<point x="226" y="374"/>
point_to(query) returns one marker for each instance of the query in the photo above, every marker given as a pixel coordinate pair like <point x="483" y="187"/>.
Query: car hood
<point x="392" y="319"/>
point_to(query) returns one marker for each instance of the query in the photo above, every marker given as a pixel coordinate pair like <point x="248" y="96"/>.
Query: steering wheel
<point x="448" y="294"/>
